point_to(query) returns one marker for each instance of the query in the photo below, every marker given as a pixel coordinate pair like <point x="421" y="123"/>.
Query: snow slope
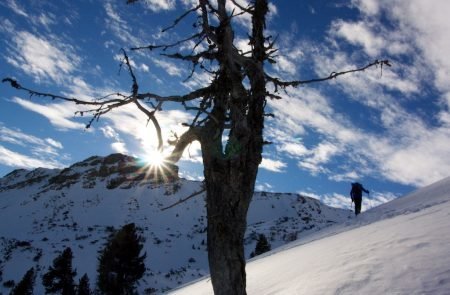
<point x="43" y="211"/>
<point x="401" y="247"/>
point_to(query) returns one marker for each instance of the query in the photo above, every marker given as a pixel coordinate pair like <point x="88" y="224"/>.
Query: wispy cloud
<point x="118" y="145"/>
<point x="12" y="4"/>
<point x="41" y="152"/>
<point x="409" y="148"/>
<point x="158" y="5"/>
<point x="171" y="68"/>
<point x="14" y="159"/>
<point x="273" y="165"/>
<point x="42" y="57"/>
<point x="60" y="115"/>
<point x="409" y="151"/>
<point x="119" y="26"/>
<point x="263" y="187"/>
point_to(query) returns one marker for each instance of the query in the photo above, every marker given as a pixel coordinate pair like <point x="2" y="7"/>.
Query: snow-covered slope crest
<point x="43" y="211"/>
<point x="401" y="247"/>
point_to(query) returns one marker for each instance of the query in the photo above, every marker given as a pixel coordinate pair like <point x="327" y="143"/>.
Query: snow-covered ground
<point x="401" y="247"/>
<point x="43" y="211"/>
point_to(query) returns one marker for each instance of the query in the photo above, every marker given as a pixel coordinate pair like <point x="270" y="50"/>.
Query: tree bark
<point x="230" y="175"/>
<point x="229" y="193"/>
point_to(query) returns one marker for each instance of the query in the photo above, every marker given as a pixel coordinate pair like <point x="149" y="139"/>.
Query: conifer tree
<point x="25" y="286"/>
<point x="83" y="286"/>
<point x="262" y="246"/>
<point x="120" y="264"/>
<point x="59" y="278"/>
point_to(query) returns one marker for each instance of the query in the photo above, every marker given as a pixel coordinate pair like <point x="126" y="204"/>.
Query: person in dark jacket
<point x="356" y="194"/>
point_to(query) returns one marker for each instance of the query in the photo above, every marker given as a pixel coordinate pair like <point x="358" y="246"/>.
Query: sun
<point x="155" y="158"/>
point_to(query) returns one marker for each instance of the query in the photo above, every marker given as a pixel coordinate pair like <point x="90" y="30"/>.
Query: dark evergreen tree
<point x="25" y="286"/>
<point x="120" y="263"/>
<point x="59" y="278"/>
<point x="83" y="286"/>
<point x="262" y="246"/>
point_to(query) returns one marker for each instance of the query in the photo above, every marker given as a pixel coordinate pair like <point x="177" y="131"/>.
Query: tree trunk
<point x="230" y="175"/>
<point x="228" y="199"/>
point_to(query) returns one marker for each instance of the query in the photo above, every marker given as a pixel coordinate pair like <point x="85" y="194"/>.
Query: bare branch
<point x="248" y="9"/>
<point x="167" y="46"/>
<point x="205" y="22"/>
<point x="178" y="98"/>
<point x="283" y="84"/>
<point x="185" y="199"/>
<point x="183" y="141"/>
<point x="195" y="57"/>
<point x="16" y="85"/>
<point x="180" y="18"/>
<point x="135" y="86"/>
<point x="151" y="116"/>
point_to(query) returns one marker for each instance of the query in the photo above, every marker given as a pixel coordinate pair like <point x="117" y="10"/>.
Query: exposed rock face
<point x="116" y="170"/>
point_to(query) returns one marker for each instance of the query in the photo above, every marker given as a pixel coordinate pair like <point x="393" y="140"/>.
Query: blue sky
<point x="387" y="128"/>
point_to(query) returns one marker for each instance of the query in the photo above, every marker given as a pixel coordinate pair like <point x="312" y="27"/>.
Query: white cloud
<point x="45" y="152"/>
<point x="144" y="68"/>
<point x="171" y="68"/>
<point x="158" y="5"/>
<point x="119" y="26"/>
<point x="346" y="176"/>
<point x="119" y="147"/>
<point x="273" y="165"/>
<point x="14" y="159"/>
<point x="12" y="4"/>
<point x="41" y="57"/>
<point x="316" y="159"/>
<point x="17" y="137"/>
<point x="242" y="44"/>
<point x="198" y="80"/>
<point x="284" y="65"/>
<point x="54" y="143"/>
<point x="44" y="19"/>
<point x="109" y="132"/>
<point x="428" y="26"/>
<point x="59" y="114"/>
<point x="370" y="7"/>
<point x="359" y="33"/>
<point x="294" y="149"/>
<point x="323" y="153"/>
<point x="263" y="187"/>
<point x="409" y="151"/>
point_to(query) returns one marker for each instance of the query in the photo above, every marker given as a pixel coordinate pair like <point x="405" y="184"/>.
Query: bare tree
<point x="232" y="105"/>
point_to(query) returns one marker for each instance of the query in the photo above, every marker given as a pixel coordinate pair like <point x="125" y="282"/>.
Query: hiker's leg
<point x="358" y="202"/>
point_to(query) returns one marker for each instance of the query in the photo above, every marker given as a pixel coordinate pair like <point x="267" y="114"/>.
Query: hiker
<point x="356" y="194"/>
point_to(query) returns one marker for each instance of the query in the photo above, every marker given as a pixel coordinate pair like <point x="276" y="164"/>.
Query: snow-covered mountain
<point x="400" y="247"/>
<point x="43" y="211"/>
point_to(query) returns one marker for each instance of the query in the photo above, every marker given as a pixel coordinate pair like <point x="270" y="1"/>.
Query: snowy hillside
<point x="401" y="247"/>
<point x="43" y="211"/>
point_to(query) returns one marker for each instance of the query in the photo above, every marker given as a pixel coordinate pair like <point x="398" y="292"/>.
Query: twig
<point x="180" y="18"/>
<point x="185" y="199"/>
<point x="283" y="84"/>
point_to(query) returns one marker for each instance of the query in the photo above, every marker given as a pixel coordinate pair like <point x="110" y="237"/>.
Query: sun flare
<point x="155" y="158"/>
